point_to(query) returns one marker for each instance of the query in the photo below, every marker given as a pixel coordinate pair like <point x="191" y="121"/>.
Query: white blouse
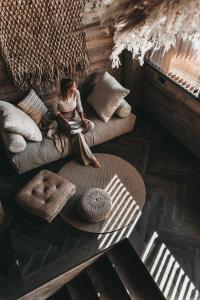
<point x="72" y="102"/>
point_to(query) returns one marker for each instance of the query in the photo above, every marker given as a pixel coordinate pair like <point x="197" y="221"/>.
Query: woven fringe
<point x="44" y="79"/>
<point x="40" y="50"/>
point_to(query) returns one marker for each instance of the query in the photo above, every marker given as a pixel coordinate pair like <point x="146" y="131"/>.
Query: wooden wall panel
<point x="132" y="79"/>
<point x="99" y="45"/>
<point x="8" y="91"/>
<point x="174" y="107"/>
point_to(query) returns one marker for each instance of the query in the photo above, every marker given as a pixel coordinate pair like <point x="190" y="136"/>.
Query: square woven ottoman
<point x="45" y="195"/>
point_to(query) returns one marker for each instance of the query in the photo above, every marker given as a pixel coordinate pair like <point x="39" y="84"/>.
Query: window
<point x="181" y="63"/>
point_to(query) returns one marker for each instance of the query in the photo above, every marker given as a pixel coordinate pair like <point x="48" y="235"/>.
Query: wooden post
<point x="2" y="215"/>
<point x="132" y="79"/>
<point x="2" y="218"/>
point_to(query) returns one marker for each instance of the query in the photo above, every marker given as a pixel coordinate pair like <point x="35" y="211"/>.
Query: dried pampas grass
<point x="146" y="25"/>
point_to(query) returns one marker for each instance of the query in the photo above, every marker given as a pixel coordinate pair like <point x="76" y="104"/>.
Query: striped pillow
<point x="33" y="106"/>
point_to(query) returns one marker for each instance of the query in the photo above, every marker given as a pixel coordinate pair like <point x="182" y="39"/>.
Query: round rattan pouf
<point x="118" y="178"/>
<point x="95" y="205"/>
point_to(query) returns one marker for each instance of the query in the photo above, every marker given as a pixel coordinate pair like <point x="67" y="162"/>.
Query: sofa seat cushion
<point x="45" y="195"/>
<point x="104" y="132"/>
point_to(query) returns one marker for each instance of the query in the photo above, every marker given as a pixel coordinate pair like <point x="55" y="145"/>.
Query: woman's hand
<point x="86" y="123"/>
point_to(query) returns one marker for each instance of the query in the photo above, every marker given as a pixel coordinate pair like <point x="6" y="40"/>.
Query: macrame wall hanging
<point x="143" y="25"/>
<point x="39" y="41"/>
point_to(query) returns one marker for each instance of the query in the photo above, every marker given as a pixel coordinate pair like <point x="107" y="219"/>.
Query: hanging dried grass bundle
<point x="143" y="25"/>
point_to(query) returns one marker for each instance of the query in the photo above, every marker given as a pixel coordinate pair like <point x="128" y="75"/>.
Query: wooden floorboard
<point x="171" y="175"/>
<point x="172" y="178"/>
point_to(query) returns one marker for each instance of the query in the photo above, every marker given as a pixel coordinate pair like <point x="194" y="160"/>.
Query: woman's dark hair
<point x="65" y="85"/>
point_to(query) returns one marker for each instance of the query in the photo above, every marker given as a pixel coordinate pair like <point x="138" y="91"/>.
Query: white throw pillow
<point x="15" y="120"/>
<point x="14" y="142"/>
<point x="106" y="96"/>
<point x="124" y="109"/>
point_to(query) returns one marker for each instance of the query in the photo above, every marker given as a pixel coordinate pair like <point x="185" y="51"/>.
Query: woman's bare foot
<point x="96" y="163"/>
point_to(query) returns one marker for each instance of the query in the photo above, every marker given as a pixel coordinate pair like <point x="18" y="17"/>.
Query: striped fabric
<point x="33" y="106"/>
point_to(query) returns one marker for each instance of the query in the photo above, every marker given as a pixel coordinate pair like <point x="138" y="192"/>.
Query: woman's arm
<point x="60" y="116"/>
<point x="55" y="107"/>
<point x="56" y="110"/>
<point x="81" y="115"/>
<point x="79" y="108"/>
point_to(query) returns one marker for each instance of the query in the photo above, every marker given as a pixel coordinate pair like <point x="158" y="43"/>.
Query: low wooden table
<point x="119" y="179"/>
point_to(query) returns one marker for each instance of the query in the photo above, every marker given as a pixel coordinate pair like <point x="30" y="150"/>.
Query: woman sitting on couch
<point x="65" y="107"/>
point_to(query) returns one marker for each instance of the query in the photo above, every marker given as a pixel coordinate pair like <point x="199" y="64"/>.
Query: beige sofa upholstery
<point x="37" y="154"/>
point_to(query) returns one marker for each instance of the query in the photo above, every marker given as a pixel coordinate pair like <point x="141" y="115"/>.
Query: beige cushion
<point x="14" y="142"/>
<point x="33" y="106"/>
<point x="106" y="96"/>
<point x="45" y="195"/>
<point x="15" y="120"/>
<point x="124" y="109"/>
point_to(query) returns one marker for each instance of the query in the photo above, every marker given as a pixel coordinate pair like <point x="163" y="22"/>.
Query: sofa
<point x="98" y="91"/>
<point x="38" y="154"/>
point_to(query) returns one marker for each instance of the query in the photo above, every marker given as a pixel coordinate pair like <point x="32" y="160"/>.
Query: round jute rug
<point x="120" y="180"/>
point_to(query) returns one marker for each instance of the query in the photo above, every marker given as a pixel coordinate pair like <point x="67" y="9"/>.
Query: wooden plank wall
<point x="99" y="45"/>
<point x="174" y="107"/>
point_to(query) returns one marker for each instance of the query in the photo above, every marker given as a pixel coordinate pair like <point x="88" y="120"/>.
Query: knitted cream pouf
<point x="95" y="205"/>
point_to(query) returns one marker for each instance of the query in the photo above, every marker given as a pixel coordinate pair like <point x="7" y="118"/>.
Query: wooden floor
<point x="114" y="276"/>
<point x="172" y="178"/>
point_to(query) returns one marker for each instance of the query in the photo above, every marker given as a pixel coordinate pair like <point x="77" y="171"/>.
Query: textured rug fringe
<point x="39" y="58"/>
